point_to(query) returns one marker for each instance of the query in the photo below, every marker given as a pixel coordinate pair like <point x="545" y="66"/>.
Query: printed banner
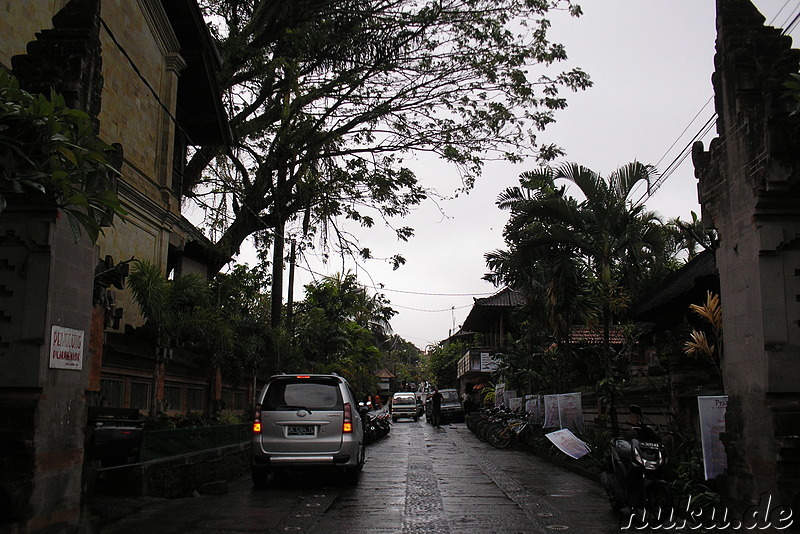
<point x="570" y="411"/>
<point x="568" y="443"/>
<point x="551" y="416"/>
<point x="499" y="391"/>
<point x="712" y="423"/>
<point x="514" y="403"/>
<point x="533" y="405"/>
<point x="507" y="396"/>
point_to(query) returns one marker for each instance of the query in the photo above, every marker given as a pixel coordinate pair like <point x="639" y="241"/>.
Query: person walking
<point x="436" y="408"/>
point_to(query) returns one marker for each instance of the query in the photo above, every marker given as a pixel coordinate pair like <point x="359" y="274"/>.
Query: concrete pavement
<point x="416" y="480"/>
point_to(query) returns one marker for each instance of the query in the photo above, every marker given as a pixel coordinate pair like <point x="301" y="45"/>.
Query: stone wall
<point x="749" y="189"/>
<point x="179" y="476"/>
<point x="133" y="114"/>
<point x="42" y="409"/>
<point x="19" y="21"/>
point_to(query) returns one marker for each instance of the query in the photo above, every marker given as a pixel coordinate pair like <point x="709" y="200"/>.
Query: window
<point x="140" y="395"/>
<point x="238" y="400"/>
<point x="194" y="399"/>
<point x="313" y="395"/>
<point x="173" y="397"/>
<point x="112" y="393"/>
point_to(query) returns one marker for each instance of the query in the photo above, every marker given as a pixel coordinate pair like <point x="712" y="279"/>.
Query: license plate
<point x="300" y="430"/>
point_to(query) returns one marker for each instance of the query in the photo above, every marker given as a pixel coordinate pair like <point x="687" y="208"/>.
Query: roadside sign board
<point x="552" y="419"/>
<point x="570" y="411"/>
<point x="488" y="363"/>
<point x="66" y="348"/>
<point x="712" y="423"/>
<point x="568" y="443"/>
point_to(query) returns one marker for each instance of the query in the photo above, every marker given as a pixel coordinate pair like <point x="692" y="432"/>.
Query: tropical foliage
<point x="443" y="364"/>
<point x="581" y="260"/>
<point x="51" y="151"/>
<point x="691" y="237"/>
<point x="700" y="344"/>
<point x="175" y="312"/>
<point x="242" y="304"/>
<point x="338" y="328"/>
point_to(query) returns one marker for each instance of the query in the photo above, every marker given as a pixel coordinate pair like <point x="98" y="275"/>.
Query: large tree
<point x="326" y="97"/>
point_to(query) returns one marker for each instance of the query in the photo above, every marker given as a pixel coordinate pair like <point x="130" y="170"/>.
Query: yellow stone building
<point x="145" y="70"/>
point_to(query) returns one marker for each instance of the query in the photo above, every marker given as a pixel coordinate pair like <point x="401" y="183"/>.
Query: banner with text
<point x="551" y="416"/>
<point x="533" y="406"/>
<point x="712" y="423"/>
<point x="66" y="348"/>
<point x="568" y="443"/>
<point x="499" y="393"/>
<point x="570" y="411"/>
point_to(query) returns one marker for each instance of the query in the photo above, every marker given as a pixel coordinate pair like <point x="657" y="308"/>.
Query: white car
<point x="404" y="405"/>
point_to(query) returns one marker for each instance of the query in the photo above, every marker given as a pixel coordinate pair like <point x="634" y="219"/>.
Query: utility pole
<point x="290" y="295"/>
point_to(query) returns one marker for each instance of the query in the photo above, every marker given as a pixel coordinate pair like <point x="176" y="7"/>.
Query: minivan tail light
<point x="257" y="420"/>
<point x="347" y="425"/>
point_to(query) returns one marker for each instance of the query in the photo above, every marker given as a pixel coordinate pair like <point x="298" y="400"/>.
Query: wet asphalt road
<point x="418" y="479"/>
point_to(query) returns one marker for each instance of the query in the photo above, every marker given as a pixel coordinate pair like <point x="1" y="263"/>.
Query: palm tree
<point x="613" y="239"/>
<point x="692" y="236"/>
<point x="173" y="311"/>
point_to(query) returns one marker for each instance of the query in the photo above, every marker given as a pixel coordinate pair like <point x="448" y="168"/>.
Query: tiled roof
<point x="384" y="373"/>
<point x="506" y="297"/>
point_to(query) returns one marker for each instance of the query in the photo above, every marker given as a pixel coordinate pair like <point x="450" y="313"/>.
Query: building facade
<point x="144" y="71"/>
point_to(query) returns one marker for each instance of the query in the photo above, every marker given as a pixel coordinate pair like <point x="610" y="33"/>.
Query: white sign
<point x="487" y="363"/>
<point x="568" y="443"/>
<point x="533" y="405"/>
<point x="712" y="424"/>
<point x="552" y="418"/>
<point x="507" y="396"/>
<point x="66" y="348"/>
<point x="570" y="411"/>
<point x="499" y="393"/>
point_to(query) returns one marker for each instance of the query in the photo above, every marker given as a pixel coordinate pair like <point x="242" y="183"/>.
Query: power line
<point x="684" y="153"/>
<point x="381" y="289"/>
<point x="432" y="311"/>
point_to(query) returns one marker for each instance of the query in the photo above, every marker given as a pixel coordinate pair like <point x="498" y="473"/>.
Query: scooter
<point x="634" y="484"/>
<point x="376" y="423"/>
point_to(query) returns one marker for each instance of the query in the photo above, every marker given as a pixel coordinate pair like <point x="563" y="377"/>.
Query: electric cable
<point x="788" y="27"/>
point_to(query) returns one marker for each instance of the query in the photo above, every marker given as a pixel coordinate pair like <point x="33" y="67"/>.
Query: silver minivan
<point x="306" y="421"/>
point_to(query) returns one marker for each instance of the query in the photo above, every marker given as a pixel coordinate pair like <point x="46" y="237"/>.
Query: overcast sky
<point x="651" y="63"/>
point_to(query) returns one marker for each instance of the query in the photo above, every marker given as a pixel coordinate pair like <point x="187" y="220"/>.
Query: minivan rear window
<point x="309" y="394"/>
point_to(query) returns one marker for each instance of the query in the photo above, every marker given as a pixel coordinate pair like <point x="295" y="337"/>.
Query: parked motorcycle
<point x="634" y="484"/>
<point x="376" y="423"/>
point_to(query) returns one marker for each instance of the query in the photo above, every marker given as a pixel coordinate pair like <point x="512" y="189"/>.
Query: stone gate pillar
<point x="749" y="189"/>
<point x="45" y="316"/>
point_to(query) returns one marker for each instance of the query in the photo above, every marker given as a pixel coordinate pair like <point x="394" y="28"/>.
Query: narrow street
<point x="416" y="480"/>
